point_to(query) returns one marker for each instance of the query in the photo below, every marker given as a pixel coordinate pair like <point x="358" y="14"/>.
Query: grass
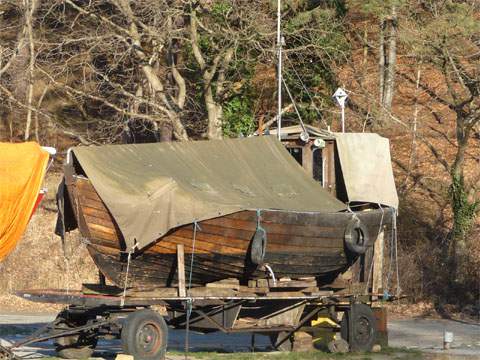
<point x="388" y="353"/>
<point x="270" y="356"/>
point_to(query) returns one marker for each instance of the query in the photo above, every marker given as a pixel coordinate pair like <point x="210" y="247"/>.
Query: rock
<point x="124" y="357"/>
<point x="376" y="348"/>
<point x="302" y="342"/>
<point x="338" y="346"/>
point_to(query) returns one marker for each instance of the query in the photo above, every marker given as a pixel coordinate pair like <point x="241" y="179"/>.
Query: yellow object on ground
<point x="323" y="333"/>
<point x="22" y="169"/>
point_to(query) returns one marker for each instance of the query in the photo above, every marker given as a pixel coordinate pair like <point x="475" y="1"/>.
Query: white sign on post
<point x="341" y="97"/>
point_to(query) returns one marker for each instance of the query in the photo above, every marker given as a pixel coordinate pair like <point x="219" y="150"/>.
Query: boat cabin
<point x="317" y="155"/>
<point x="356" y="168"/>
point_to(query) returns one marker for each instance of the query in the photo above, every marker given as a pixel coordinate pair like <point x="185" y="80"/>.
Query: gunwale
<point x="299" y="244"/>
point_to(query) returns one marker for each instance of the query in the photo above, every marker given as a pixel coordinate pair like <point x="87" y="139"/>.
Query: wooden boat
<point x="299" y="244"/>
<point x="261" y="216"/>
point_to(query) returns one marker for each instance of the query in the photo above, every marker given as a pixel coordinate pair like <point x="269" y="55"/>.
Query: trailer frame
<point x="283" y="314"/>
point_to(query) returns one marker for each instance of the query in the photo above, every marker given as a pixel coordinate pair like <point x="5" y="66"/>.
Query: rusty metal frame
<point x="48" y="332"/>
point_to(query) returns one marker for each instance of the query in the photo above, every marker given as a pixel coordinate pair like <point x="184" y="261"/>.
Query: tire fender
<point x="356" y="236"/>
<point x="258" y="247"/>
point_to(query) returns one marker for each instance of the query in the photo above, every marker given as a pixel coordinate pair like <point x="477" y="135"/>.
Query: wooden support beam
<point x="377" y="278"/>
<point x="181" y="270"/>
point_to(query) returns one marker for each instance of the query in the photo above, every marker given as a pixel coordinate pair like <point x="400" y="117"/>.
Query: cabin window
<point x="318" y="165"/>
<point x="296" y="152"/>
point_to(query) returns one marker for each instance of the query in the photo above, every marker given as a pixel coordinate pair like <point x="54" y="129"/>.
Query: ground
<point x="409" y="338"/>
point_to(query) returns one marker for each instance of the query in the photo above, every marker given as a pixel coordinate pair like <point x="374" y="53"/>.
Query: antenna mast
<point x="279" y="50"/>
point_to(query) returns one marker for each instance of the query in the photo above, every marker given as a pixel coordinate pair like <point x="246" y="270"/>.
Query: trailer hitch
<point x="7" y="354"/>
<point x="47" y="332"/>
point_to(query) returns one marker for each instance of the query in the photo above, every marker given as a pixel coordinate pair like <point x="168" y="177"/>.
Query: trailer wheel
<point x="77" y="346"/>
<point x="285" y="346"/>
<point x="144" y="335"/>
<point x="364" y="333"/>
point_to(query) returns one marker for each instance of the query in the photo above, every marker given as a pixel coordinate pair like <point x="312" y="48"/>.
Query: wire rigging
<point x="307" y="91"/>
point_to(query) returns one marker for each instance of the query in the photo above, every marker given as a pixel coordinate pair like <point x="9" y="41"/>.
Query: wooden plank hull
<point x="298" y="244"/>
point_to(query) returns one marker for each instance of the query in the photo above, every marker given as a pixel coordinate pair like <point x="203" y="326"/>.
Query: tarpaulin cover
<point x="152" y="188"/>
<point x="22" y="169"/>
<point x="367" y="168"/>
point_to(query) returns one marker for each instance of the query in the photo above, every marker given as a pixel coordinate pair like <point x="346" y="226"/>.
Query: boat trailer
<point x="143" y="329"/>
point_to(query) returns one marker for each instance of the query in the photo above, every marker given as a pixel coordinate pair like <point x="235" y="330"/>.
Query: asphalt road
<point x="421" y="334"/>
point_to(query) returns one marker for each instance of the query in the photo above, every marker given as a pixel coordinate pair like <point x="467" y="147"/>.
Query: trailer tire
<point x="78" y="346"/>
<point x="144" y="335"/>
<point x="364" y="329"/>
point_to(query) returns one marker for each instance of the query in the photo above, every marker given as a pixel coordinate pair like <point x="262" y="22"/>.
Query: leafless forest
<point x="120" y="71"/>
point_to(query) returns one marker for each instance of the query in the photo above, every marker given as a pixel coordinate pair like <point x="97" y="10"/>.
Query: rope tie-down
<point x="125" y="282"/>
<point x="393" y="258"/>
<point x="189" y="301"/>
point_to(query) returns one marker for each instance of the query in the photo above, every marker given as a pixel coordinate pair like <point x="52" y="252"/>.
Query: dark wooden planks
<point x="299" y="244"/>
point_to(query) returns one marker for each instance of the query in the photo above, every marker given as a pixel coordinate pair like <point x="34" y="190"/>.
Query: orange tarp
<point x="22" y="169"/>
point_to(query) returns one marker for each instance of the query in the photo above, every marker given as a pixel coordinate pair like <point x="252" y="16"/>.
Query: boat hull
<point x="298" y="244"/>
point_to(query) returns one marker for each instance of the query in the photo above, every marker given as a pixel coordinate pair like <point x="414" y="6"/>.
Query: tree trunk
<point x="381" y="62"/>
<point x="388" y="63"/>
<point x="464" y="211"/>
<point x="30" y="11"/>
<point x="166" y="133"/>
<point x="391" y="63"/>
<point x="215" y="116"/>
<point x="458" y="193"/>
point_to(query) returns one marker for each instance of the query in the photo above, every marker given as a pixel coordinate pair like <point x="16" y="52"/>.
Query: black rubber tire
<point x="258" y="246"/>
<point x="356" y="236"/>
<point x="145" y="335"/>
<point x="285" y="346"/>
<point x="79" y="346"/>
<point x="364" y="328"/>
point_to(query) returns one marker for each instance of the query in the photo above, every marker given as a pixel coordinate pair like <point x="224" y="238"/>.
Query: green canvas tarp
<point x="152" y="188"/>
<point x="367" y="168"/>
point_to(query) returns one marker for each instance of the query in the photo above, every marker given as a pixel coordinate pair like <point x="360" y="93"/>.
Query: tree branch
<point x="197" y="53"/>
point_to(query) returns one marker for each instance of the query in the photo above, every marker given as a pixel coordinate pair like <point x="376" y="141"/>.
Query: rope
<point x="259" y="221"/>
<point x="393" y="255"/>
<point x="125" y="283"/>
<point x="294" y="105"/>
<point x="349" y="209"/>
<point x="67" y="268"/>
<point x="187" y="327"/>
<point x="396" y="252"/>
<point x="66" y="259"/>
<point x="308" y="92"/>
<point x="189" y="301"/>
<point x="272" y="274"/>
<point x="195" y="228"/>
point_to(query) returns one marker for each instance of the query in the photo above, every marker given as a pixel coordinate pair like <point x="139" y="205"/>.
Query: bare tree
<point x="104" y="70"/>
<point x="387" y="61"/>
<point x="448" y="45"/>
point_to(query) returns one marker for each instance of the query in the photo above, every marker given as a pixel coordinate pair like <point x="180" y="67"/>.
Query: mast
<point x="279" y="50"/>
